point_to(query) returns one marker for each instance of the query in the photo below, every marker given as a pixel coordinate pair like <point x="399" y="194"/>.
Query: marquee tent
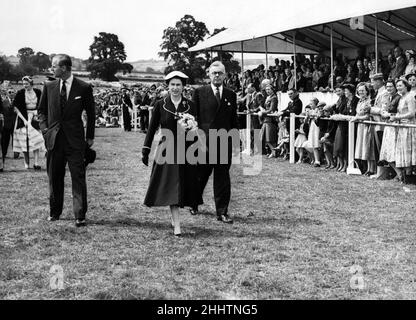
<point x="313" y="24"/>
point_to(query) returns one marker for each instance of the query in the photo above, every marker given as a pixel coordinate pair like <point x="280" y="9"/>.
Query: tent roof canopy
<point x="396" y="21"/>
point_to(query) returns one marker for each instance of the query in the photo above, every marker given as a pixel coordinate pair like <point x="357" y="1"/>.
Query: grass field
<point x="298" y="232"/>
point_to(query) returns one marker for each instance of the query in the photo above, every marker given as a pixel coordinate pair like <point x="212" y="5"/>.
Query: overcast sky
<point x="69" y="26"/>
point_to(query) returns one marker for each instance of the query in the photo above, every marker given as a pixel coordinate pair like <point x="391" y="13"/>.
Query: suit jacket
<point x="295" y="107"/>
<point x="52" y="119"/>
<point x="399" y="68"/>
<point x="8" y="113"/>
<point x="20" y="103"/>
<point x="210" y="115"/>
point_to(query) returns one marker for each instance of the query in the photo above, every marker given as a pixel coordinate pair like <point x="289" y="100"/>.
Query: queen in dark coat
<point x="173" y="182"/>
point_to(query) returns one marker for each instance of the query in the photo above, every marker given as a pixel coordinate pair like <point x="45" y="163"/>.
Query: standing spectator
<point x="364" y="146"/>
<point x="388" y="147"/>
<point x="269" y="128"/>
<point x="405" y="152"/>
<point x="327" y="129"/>
<point x="26" y="102"/>
<point x="295" y="106"/>
<point x="127" y="107"/>
<point x="9" y="121"/>
<point x="381" y="98"/>
<point x="144" y="111"/>
<point x="1" y="130"/>
<point x="313" y="144"/>
<point x="399" y="63"/>
<point x="346" y="109"/>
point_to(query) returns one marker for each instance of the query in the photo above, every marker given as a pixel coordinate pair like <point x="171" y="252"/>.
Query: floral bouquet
<point x="186" y="121"/>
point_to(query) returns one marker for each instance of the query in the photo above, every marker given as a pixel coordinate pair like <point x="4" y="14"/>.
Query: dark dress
<point x="170" y="183"/>
<point x="126" y="105"/>
<point x="345" y="107"/>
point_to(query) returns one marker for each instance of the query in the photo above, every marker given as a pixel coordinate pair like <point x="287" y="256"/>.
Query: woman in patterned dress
<point x="405" y="149"/>
<point x="26" y="102"/>
<point x="364" y="145"/>
<point x="387" y="151"/>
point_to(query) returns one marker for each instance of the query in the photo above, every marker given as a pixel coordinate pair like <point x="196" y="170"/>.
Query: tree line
<point x="108" y="55"/>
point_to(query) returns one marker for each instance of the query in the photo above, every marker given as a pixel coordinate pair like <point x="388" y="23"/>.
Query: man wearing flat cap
<point x="380" y="101"/>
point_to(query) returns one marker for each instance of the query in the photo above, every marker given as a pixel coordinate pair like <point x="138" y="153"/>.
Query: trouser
<point x="57" y="159"/>
<point x="222" y="184"/>
<point x="6" y="136"/>
<point x="144" y="119"/>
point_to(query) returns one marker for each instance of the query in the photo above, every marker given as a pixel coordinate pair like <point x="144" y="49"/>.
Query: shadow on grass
<point x="193" y="232"/>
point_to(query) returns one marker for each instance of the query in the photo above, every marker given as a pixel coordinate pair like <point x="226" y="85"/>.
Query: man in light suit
<point x="216" y="108"/>
<point x="61" y="105"/>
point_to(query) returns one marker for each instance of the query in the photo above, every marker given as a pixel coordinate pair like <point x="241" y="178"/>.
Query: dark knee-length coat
<point x="171" y="183"/>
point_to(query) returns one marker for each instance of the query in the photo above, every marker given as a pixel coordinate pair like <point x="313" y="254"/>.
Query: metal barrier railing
<point x="351" y="133"/>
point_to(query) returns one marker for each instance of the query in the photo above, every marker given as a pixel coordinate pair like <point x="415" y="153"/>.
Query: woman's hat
<point x="176" y="74"/>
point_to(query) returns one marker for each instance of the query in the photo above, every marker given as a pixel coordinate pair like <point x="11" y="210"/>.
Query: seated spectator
<point x="351" y="75"/>
<point x="411" y="66"/>
<point x="286" y="79"/>
<point x="362" y="73"/>
<point x="411" y="78"/>
<point x="322" y="84"/>
<point x="399" y="65"/>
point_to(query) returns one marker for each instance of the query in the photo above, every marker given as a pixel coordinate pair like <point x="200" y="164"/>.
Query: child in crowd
<point x="302" y="137"/>
<point x="313" y="143"/>
<point x="283" y="143"/>
<point x="327" y="129"/>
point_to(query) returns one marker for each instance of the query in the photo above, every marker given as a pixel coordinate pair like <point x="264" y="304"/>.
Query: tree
<point x="8" y="71"/>
<point x="226" y="57"/>
<point x="107" y="57"/>
<point x="5" y="69"/>
<point x="25" y="55"/>
<point x="176" y="42"/>
<point x="41" y="61"/>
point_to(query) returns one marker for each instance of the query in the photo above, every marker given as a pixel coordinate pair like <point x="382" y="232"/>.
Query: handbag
<point x="35" y="123"/>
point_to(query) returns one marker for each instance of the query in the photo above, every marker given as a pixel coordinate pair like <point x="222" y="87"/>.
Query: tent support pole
<point x="221" y="53"/>
<point x="332" y="59"/>
<point x="267" y="53"/>
<point x="376" y="43"/>
<point x="294" y="58"/>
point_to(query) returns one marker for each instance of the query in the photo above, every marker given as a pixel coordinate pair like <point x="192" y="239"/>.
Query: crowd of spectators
<point x="321" y="129"/>
<point x="313" y="72"/>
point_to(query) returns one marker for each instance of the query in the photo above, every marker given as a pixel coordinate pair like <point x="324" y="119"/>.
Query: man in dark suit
<point x="216" y="109"/>
<point x="60" y="109"/>
<point x="295" y="106"/>
<point x="399" y="65"/>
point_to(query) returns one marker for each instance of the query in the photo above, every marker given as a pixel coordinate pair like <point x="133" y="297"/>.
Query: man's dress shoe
<point x="224" y="218"/>
<point x="80" y="223"/>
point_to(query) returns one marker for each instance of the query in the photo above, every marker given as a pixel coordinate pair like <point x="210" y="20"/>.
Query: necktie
<point x="217" y="95"/>
<point x="63" y="99"/>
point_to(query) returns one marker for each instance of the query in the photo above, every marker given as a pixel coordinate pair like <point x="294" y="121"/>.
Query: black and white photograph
<point x="225" y="151"/>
